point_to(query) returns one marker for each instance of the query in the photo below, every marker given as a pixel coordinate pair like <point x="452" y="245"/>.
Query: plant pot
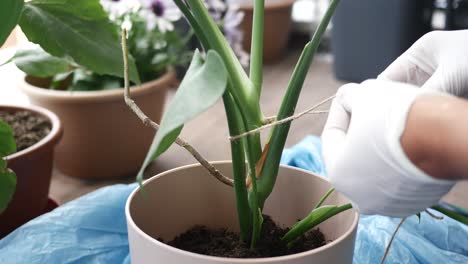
<point x="277" y="27"/>
<point x="33" y="168"/>
<point x="176" y="200"/>
<point x="103" y="138"/>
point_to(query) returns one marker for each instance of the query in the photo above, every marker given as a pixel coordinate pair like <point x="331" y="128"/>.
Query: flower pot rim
<point x="52" y="138"/>
<point x="278" y="4"/>
<point x="131" y="223"/>
<point x="162" y="82"/>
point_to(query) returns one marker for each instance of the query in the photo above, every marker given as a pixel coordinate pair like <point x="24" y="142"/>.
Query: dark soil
<point x="223" y="243"/>
<point x="28" y="128"/>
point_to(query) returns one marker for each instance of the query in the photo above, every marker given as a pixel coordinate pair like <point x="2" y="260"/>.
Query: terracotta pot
<point x="103" y="137"/>
<point x="178" y="199"/>
<point x="33" y="168"/>
<point x="278" y="24"/>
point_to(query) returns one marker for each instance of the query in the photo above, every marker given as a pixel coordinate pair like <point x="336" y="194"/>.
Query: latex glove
<point x="363" y="155"/>
<point x="437" y="61"/>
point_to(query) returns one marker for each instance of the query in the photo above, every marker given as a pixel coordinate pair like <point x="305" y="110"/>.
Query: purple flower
<point x="234" y="35"/>
<point x="157" y="7"/>
<point x="160" y="14"/>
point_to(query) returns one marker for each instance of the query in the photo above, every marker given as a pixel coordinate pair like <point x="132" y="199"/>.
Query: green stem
<point x="193" y="23"/>
<point x="280" y="132"/>
<point x="324" y="198"/>
<point x="256" y="48"/>
<point x="316" y="217"/>
<point x="235" y="124"/>
<point x="451" y="214"/>
<point x="242" y="88"/>
<point x="247" y="100"/>
<point x="253" y="202"/>
<point x="253" y="153"/>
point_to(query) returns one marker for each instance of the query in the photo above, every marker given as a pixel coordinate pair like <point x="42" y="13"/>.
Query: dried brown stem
<point x="270" y="123"/>
<point x="150" y="123"/>
<point x="433" y="215"/>
<point x="391" y="241"/>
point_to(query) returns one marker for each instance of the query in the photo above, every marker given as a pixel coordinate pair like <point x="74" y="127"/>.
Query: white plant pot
<point x="178" y="199"/>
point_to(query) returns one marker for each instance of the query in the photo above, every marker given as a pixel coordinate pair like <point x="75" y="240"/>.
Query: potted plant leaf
<point x="28" y="136"/>
<point x="7" y="176"/>
<point x="186" y="216"/>
<point x="77" y="73"/>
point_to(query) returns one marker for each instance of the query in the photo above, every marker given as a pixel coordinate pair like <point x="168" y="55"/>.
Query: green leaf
<point x="311" y="220"/>
<point x="59" y="81"/>
<point x="36" y="62"/>
<point x="86" y="81"/>
<point x="7" y="185"/>
<point x="10" y="11"/>
<point x="7" y="177"/>
<point x="7" y="140"/>
<point x="322" y="200"/>
<point x="242" y="90"/>
<point x="288" y="105"/>
<point x="317" y="216"/>
<point x="203" y="84"/>
<point x="77" y="29"/>
<point x="458" y="214"/>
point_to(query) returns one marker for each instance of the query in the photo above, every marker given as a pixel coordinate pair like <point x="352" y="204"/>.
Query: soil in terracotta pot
<point x="223" y="243"/>
<point x="28" y="128"/>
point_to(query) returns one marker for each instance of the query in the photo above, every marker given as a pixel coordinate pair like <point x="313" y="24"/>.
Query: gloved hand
<point x="437" y="61"/>
<point x="363" y="154"/>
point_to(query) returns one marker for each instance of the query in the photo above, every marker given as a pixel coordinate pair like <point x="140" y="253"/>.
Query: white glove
<point x="363" y="155"/>
<point x="437" y="61"/>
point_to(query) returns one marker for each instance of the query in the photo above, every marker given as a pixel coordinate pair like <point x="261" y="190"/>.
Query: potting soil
<point x="224" y="243"/>
<point x="28" y="128"/>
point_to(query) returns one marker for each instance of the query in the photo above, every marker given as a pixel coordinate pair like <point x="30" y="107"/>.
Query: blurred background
<point x="364" y="37"/>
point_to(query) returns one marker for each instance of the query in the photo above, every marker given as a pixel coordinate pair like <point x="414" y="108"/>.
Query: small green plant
<point x="217" y="74"/>
<point x="78" y="40"/>
<point x="72" y="35"/>
<point x="79" y="47"/>
<point x="82" y="41"/>
<point x="7" y="176"/>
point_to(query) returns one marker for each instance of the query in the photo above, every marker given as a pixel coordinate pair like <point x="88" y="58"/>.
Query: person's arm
<point x="390" y="148"/>
<point x="436" y="136"/>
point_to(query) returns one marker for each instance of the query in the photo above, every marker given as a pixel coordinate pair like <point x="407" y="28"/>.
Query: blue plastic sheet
<point x="428" y="241"/>
<point x="306" y="155"/>
<point x="92" y="229"/>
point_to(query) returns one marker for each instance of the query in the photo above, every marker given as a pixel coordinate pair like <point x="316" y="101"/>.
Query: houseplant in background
<point x="75" y="73"/>
<point x="28" y="136"/>
<point x="278" y="23"/>
<point x="170" y="203"/>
